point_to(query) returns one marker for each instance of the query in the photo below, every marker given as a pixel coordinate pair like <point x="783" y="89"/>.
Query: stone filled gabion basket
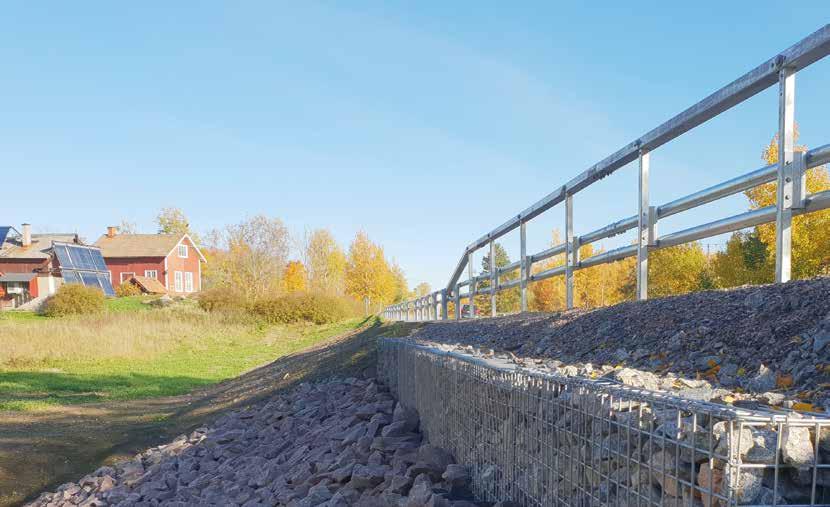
<point x="542" y="439"/>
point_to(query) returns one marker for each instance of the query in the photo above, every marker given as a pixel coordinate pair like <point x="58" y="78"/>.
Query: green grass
<point x="128" y="304"/>
<point x="210" y="355"/>
<point x="20" y="316"/>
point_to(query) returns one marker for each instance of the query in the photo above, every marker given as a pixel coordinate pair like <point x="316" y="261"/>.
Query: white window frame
<point x="183" y="250"/>
<point x="131" y="273"/>
<point x="151" y="273"/>
<point x="178" y="283"/>
<point x="188" y="281"/>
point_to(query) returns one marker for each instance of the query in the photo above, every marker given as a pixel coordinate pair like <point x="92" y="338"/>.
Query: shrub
<point x="74" y="299"/>
<point x="127" y="289"/>
<point x="220" y="299"/>
<point x="304" y="307"/>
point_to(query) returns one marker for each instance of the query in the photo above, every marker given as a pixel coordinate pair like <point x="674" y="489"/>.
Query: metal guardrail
<point x="789" y="172"/>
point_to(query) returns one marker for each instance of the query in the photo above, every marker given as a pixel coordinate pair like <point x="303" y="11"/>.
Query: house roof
<point x="12" y="247"/>
<point x="17" y="277"/>
<point x="140" y="245"/>
<point x="150" y="285"/>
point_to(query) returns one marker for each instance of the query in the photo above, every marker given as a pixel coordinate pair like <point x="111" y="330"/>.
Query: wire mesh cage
<point x="541" y="439"/>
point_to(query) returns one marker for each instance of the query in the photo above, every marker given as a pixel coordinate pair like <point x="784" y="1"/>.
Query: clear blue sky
<point x="424" y="123"/>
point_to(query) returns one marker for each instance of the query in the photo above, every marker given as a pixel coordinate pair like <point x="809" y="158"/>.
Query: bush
<point x="305" y="307"/>
<point x="127" y="289"/>
<point x="220" y="299"/>
<point x="74" y="299"/>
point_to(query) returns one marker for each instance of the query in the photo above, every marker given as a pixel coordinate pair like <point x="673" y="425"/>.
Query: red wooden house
<point x="172" y="259"/>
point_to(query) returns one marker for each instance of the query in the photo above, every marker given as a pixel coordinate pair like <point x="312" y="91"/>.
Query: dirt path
<point x="43" y="449"/>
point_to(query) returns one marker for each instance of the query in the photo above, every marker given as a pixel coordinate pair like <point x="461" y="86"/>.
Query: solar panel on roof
<point x="4" y="232"/>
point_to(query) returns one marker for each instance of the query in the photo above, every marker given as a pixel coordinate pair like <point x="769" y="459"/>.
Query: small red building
<point x="172" y="259"/>
<point x="28" y="267"/>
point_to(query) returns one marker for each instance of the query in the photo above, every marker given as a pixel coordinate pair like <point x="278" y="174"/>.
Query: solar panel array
<point x="84" y="265"/>
<point x="4" y="231"/>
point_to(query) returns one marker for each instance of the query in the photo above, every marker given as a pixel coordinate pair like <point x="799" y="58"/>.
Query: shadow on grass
<point x="20" y="389"/>
<point x="42" y="449"/>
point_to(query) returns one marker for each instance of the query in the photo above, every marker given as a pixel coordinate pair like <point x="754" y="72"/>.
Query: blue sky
<point x="424" y="123"/>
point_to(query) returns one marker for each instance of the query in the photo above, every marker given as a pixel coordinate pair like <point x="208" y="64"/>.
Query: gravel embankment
<point x="770" y="340"/>
<point x="335" y="443"/>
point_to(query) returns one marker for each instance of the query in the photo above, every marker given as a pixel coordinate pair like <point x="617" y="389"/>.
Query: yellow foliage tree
<point x="294" y="277"/>
<point x="671" y="271"/>
<point x="325" y="261"/>
<point x="600" y="285"/>
<point x="368" y="275"/>
<point x="810" y="232"/>
<point x="744" y="261"/>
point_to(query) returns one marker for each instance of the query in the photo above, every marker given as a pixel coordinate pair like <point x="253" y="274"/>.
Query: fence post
<point x="569" y="251"/>
<point x="472" y="289"/>
<point x="457" y="309"/>
<point x="643" y="227"/>
<point x="494" y="278"/>
<point x="784" y="200"/>
<point x="523" y="265"/>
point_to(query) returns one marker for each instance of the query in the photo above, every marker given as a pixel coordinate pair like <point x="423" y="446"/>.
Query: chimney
<point x="112" y="231"/>
<point x="27" y="235"/>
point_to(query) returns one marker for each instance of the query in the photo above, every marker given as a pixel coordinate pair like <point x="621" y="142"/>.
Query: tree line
<point x="252" y="258"/>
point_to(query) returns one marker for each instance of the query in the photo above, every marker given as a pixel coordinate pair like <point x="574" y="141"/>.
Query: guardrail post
<point x="494" y="278"/>
<point x="644" y="228"/>
<point x="784" y="201"/>
<point x="457" y="296"/>
<point x="569" y="251"/>
<point x="472" y="288"/>
<point x="523" y="265"/>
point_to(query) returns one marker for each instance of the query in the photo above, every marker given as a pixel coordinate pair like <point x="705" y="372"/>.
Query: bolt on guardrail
<point x="789" y="173"/>
<point x="542" y="439"/>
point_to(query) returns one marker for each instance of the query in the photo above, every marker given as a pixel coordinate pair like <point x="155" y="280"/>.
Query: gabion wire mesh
<point x="541" y="439"/>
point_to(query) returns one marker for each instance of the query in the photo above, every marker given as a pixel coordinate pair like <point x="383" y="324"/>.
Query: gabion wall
<point x="541" y="439"/>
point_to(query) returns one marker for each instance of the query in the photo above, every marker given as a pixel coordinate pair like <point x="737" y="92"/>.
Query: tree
<point x="676" y="270"/>
<point x="127" y="227"/>
<point x="172" y="221"/>
<point x="368" y="275"/>
<point x="249" y="257"/>
<point x="422" y="289"/>
<point x="401" y="288"/>
<point x="325" y="261"/>
<point x="507" y="300"/>
<point x="810" y="232"/>
<point x="744" y="261"/>
<point x="294" y="277"/>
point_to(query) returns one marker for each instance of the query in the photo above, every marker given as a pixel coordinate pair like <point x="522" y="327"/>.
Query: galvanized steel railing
<point x="789" y="172"/>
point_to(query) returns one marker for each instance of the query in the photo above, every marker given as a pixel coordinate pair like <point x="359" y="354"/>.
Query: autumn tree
<point x="325" y="261"/>
<point x="294" y="277"/>
<point x="422" y="289"/>
<point x="249" y="257"/>
<point x="400" y="286"/>
<point x="810" y="231"/>
<point x="127" y="227"/>
<point x="507" y="300"/>
<point x="368" y="275"/>
<point x="743" y="261"/>
<point x="172" y="221"/>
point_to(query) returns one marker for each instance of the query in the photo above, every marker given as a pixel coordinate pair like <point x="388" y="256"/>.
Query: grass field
<point x="135" y="351"/>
